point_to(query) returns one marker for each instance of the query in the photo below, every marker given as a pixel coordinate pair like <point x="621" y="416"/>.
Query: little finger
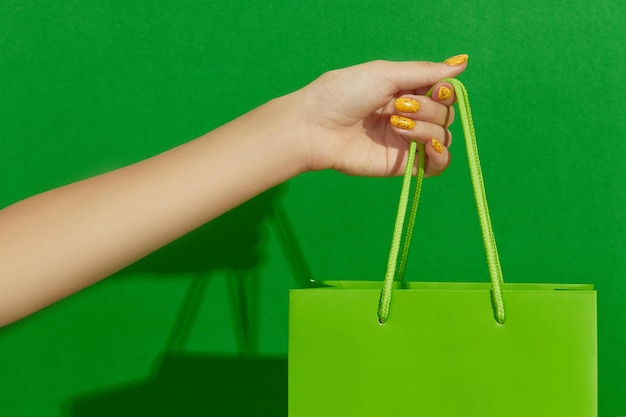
<point x="437" y="158"/>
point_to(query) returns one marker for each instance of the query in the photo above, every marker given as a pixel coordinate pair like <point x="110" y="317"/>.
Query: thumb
<point x="408" y="76"/>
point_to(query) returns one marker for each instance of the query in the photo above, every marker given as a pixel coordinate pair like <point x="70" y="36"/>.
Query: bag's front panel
<point x="441" y="354"/>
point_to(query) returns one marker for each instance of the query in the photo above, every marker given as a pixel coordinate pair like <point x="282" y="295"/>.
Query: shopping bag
<point x="397" y="348"/>
<point x="441" y="353"/>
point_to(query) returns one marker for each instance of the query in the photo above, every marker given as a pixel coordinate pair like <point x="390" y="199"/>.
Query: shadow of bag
<point x="416" y="349"/>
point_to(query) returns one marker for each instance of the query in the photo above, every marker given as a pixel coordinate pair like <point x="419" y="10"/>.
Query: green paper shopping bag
<point x="399" y="349"/>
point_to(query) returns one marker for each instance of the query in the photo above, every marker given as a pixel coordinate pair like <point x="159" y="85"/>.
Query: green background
<point x="201" y="325"/>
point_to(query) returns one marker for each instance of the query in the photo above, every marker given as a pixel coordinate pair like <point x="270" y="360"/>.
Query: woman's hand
<point x="349" y="123"/>
<point x="87" y="230"/>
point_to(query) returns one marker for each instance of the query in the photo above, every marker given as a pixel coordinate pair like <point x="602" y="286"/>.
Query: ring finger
<point x="418" y="129"/>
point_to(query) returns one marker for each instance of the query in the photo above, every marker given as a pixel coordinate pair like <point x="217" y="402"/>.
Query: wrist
<point x="288" y="134"/>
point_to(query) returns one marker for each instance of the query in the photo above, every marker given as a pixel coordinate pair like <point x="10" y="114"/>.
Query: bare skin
<point x="58" y="242"/>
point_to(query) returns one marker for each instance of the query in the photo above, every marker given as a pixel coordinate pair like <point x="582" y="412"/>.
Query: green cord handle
<point x="395" y="271"/>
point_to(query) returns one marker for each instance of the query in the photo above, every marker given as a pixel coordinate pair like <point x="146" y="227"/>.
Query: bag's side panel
<point x="442" y="354"/>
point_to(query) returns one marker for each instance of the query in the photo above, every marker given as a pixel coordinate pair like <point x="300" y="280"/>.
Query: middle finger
<point x="424" y="109"/>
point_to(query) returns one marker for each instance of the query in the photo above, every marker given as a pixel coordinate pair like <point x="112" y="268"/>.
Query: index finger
<point x="443" y="92"/>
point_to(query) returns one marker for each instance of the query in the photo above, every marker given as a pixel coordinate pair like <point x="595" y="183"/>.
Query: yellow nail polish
<point x="444" y="93"/>
<point x="402" y="122"/>
<point x="436" y="145"/>
<point x="457" y="59"/>
<point x="407" y="105"/>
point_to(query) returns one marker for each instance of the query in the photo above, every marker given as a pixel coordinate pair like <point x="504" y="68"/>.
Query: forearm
<point x="58" y="242"/>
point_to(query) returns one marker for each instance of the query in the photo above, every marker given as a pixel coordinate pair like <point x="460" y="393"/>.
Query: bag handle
<point x="491" y="251"/>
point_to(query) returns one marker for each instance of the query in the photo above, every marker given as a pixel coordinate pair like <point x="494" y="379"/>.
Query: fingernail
<point x="407" y="105"/>
<point x="402" y="122"/>
<point x="457" y="59"/>
<point x="444" y="93"/>
<point x="436" y="145"/>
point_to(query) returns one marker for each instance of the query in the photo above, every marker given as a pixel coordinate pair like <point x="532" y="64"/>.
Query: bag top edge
<point x="418" y="285"/>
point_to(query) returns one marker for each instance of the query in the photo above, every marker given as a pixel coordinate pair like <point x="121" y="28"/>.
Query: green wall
<point x="89" y="86"/>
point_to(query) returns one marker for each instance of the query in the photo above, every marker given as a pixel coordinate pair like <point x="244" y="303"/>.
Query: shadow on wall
<point x="186" y="384"/>
<point x="231" y="242"/>
<point x="198" y="385"/>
